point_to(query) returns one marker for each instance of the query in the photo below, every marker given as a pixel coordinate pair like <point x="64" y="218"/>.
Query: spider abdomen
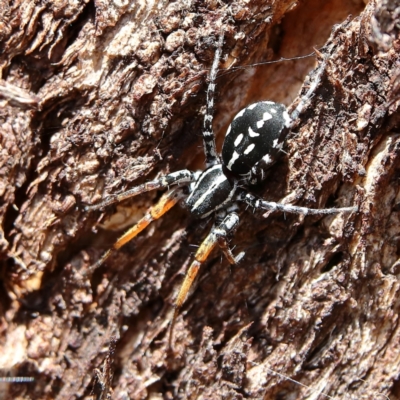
<point x="254" y="134"/>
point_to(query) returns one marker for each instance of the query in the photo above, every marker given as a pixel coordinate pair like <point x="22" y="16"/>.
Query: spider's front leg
<point x="210" y="149"/>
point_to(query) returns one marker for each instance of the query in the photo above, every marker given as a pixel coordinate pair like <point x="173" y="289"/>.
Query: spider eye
<point x="255" y="132"/>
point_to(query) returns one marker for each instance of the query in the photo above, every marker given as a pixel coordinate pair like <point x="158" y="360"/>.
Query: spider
<point x="252" y="144"/>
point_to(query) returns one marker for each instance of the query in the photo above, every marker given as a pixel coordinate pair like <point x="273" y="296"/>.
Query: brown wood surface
<point x="97" y="97"/>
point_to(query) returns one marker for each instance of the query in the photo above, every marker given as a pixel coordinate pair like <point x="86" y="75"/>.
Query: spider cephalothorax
<point x="252" y="144"/>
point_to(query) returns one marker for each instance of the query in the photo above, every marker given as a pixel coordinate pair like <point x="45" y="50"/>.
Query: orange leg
<point x="167" y="201"/>
<point x="218" y="235"/>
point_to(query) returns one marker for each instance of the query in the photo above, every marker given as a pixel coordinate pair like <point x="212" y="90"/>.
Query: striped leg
<point x="208" y="134"/>
<point x="176" y="178"/>
<point x="259" y="204"/>
<point x="311" y="90"/>
<point x="167" y="201"/>
<point x="218" y="235"/>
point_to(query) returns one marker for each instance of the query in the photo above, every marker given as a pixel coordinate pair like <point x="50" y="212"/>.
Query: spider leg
<point x="166" y="202"/>
<point x="224" y="246"/>
<point x="260" y="204"/>
<point x="218" y="235"/>
<point x="310" y="92"/>
<point x="208" y="134"/>
<point x="176" y="178"/>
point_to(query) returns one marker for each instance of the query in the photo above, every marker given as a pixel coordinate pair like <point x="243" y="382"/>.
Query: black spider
<point x="252" y="144"/>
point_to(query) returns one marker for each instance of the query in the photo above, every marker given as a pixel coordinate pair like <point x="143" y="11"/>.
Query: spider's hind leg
<point x="218" y="235"/>
<point x="166" y="202"/>
<point x="175" y="178"/>
<point x="259" y="204"/>
<point x="222" y="233"/>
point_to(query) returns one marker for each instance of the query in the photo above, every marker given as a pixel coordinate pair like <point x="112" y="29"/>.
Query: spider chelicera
<point x="252" y="144"/>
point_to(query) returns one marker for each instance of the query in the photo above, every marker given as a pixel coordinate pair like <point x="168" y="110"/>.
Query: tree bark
<point x="98" y="97"/>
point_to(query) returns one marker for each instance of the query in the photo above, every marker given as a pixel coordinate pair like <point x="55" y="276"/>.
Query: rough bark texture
<point x="100" y="96"/>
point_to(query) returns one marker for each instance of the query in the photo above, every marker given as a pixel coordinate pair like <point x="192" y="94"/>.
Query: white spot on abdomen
<point x="252" y="133"/>
<point x="238" y="140"/>
<point x="249" y="148"/>
<point x="235" y="156"/>
<point x="267" y="116"/>
<point x="239" y="114"/>
<point x="287" y="119"/>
